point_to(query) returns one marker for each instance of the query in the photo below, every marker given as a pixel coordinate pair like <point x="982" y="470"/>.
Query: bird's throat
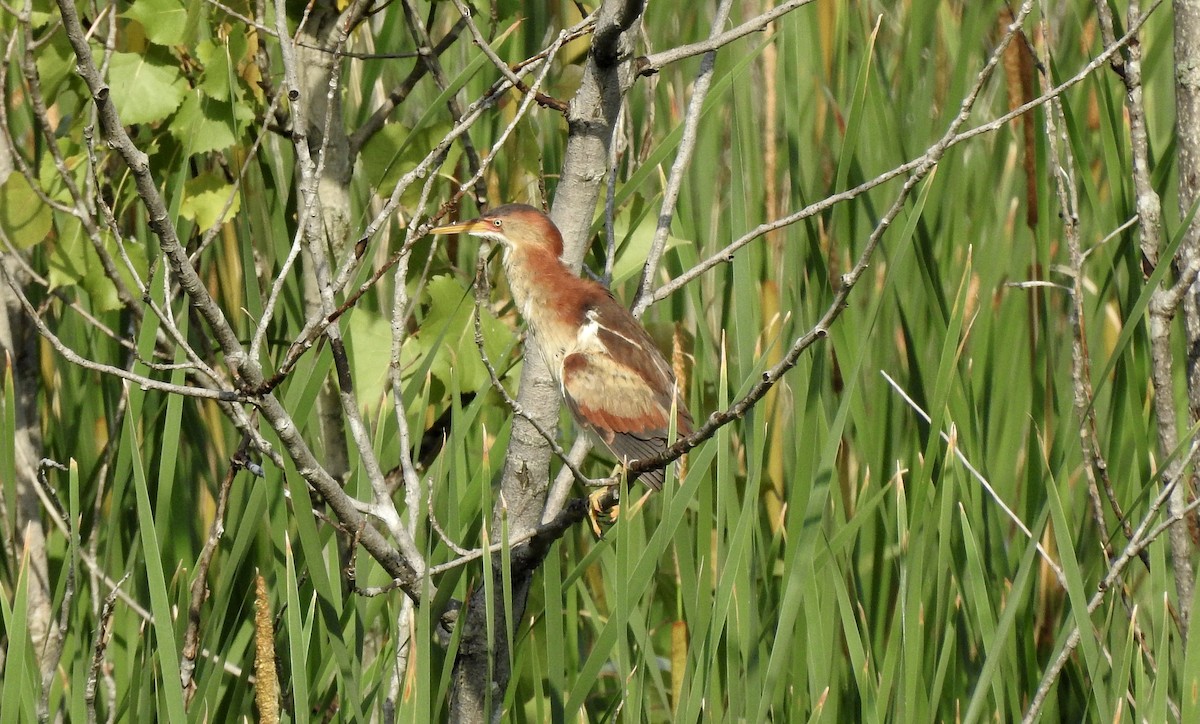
<point x="544" y="291"/>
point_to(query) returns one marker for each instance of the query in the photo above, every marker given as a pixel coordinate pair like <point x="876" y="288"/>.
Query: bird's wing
<point x="617" y="384"/>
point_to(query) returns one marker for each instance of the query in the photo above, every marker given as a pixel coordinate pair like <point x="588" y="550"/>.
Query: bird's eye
<point x="497" y="223"/>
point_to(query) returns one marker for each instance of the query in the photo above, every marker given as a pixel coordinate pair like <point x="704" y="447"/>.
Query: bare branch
<point x="1162" y="312"/>
<point x="651" y="64"/>
<point x="1095" y="468"/>
<point x="102" y="636"/>
<point x="683" y="159"/>
<point x="247" y="369"/>
<point x="726" y="255"/>
<point x="486" y="49"/>
<point x="199" y="589"/>
<point x="1140" y="541"/>
<point x="820" y="330"/>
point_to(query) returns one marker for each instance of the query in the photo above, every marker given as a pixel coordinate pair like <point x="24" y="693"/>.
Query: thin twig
<point x="310" y="230"/>
<point x="983" y="482"/>
<point x="849" y="280"/>
<point x="51" y="654"/>
<point x="1095" y="467"/>
<point x="683" y="159"/>
<point x="431" y="515"/>
<point x="650" y="64"/>
<point x="75" y="358"/>
<point x="486" y="48"/>
<point x="726" y="255"/>
<point x="199" y="589"/>
<point x="1138" y="543"/>
<point x="248" y="370"/>
<point x="103" y="634"/>
<point x="1163" y="307"/>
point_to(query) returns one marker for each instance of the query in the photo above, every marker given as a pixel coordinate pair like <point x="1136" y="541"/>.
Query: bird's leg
<point x="602" y="504"/>
<point x="604" y="500"/>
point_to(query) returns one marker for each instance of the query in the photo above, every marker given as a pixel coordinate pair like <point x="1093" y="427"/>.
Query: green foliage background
<point x="827" y="558"/>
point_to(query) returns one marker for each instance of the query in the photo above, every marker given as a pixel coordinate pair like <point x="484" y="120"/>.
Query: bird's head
<point x="518" y="227"/>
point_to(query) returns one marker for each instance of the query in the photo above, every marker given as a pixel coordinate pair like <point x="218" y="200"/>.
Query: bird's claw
<point x="603" y="505"/>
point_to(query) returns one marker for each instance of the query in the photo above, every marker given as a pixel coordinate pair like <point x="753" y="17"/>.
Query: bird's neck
<point x="550" y="297"/>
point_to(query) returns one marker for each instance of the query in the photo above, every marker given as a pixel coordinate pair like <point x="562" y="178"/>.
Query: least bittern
<point x="612" y="376"/>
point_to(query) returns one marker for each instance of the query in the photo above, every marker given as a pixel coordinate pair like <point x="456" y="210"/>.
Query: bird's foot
<point x="603" y="505"/>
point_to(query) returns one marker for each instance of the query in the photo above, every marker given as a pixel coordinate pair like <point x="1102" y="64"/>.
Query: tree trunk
<point x="1187" y="126"/>
<point x="328" y="141"/>
<point x="19" y="348"/>
<point x="591" y="118"/>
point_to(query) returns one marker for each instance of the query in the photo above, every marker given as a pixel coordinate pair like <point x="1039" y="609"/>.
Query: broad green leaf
<point x="39" y="20"/>
<point x="204" y="124"/>
<point x="51" y="179"/>
<point x="631" y="255"/>
<point x="218" y="70"/>
<point x="68" y="259"/>
<point x="165" y="21"/>
<point x="370" y="349"/>
<point x="449" y="330"/>
<point x="143" y="89"/>
<point x="25" y="219"/>
<point x="381" y="157"/>
<point x="394" y="151"/>
<point x="73" y="261"/>
<point x="55" y="65"/>
<point x="204" y="197"/>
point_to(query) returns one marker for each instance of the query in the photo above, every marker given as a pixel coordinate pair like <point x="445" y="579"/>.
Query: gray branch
<point x="591" y="119"/>
<point x="247" y="369"/>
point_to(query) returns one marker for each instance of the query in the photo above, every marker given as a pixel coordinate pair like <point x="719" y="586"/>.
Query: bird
<point x="612" y="376"/>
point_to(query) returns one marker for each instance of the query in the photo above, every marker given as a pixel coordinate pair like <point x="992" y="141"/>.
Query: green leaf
<point x="631" y="254"/>
<point x="39" y="20"/>
<point x="19" y="683"/>
<point x="165" y="21"/>
<point x="23" y="216"/>
<point x="55" y="65"/>
<point x="67" y="260"/>
<point x="204" y="124"/>
<point x="394" y="151"/>
<point x="370" y="350"/>
<point x="74" y="262"/>
<point x="51" y="179"/>
<point x="380" y="157"/>
<point x="144" y="90"/>
<point x="218" y="70"/>
<point x="449" y="331"/>
<point x="204" y="197"/>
